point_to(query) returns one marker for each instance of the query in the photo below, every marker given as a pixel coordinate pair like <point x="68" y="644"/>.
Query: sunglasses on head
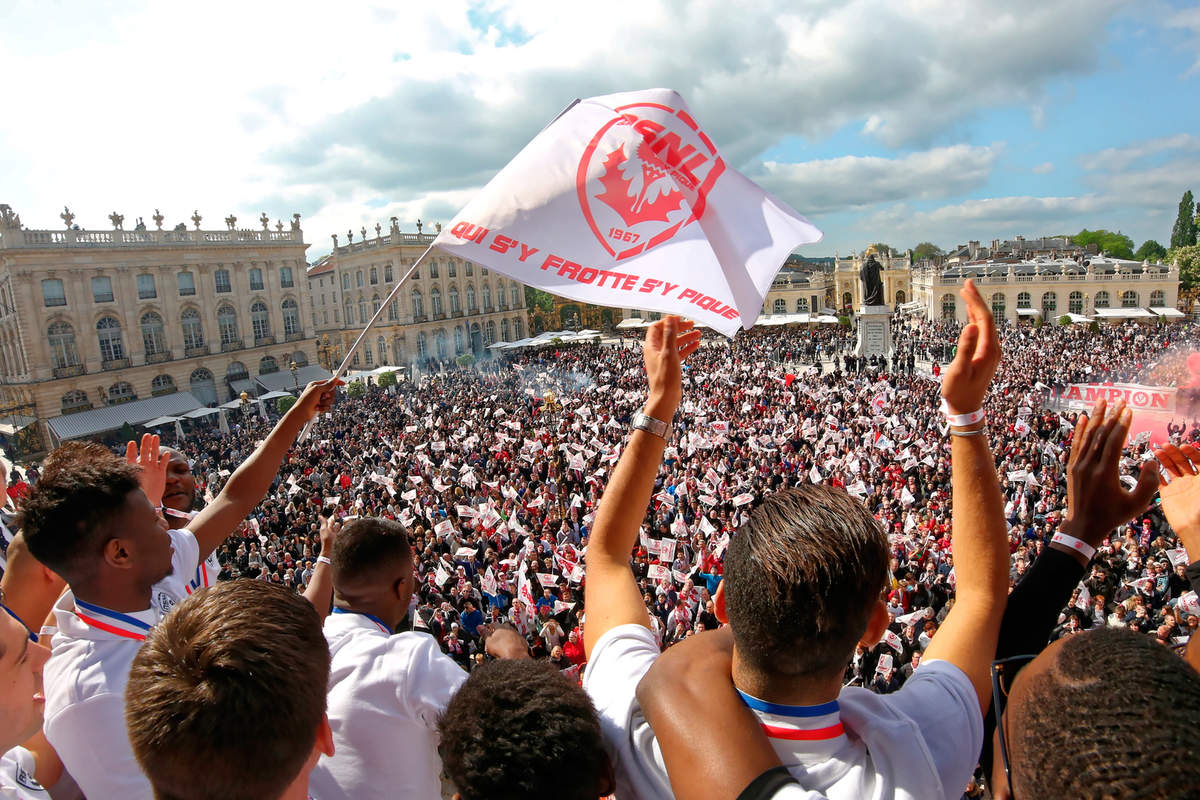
<point x="1004" y="672"/>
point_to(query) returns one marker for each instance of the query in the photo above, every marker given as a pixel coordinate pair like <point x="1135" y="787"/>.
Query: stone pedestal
<point x="874" y="331"/>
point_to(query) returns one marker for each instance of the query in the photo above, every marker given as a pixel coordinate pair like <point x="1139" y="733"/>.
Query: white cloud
<point x="1119" y="158"/>
<point x="1045" y="168"/>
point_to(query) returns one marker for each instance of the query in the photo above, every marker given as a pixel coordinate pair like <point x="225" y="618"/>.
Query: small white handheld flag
<point x="625" y="201"/>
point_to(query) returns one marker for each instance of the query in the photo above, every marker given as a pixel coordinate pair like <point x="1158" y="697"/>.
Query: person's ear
<point x="719" y="604"/>
<point x="876" y="625"/>
<point x="117" y="553"/>
<point x="325" y="737"/>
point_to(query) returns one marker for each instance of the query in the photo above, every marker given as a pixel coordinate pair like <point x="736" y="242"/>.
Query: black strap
<point x="766" y="785"/>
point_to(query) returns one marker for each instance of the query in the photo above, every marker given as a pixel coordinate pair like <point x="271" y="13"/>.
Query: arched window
<point x="418" y="304"/>
<point x="256" y="279"/>
<point x="780" y="306"/>
<point x="1049" y="305"/>
<point x="452" y="268"/>
<point x="358" y="278"/>
<point x="900" y="297"/>
<point x="193" y="329"/>
<point x="1075" y="302"/>
<point x="202" y="385"/>
<point x="505" y="329"/>
<point x="260" y="320"/>
<point x="1158" y="298"/>
<point x="455" y="307"/>
<point x="300" y="358"/>
<point x="236" y="371"/>
<point x="374" y="303"/>
<point x="391" y="311"/>
<point x="63" y="352"/>
<point x="75" y="400"/>
<point x="291" y="318"/>
<point x="515" y="295"/>
<point x="162" y="384"/>
<point x="998" y="307"/>
<point x="112" y="346"/>
<point x="267" y="365"/>
<point x="435" y="301"/>
<point x="1024" y="300"/>
<point x="366" y="351"/>
<point x="1102" y="299"/>
<point x="801" y="305"/>
<point x="490" y="335"/>
<point x="459" y="339"/>
<point x="847" y="300"/>
<point x="154" y="340"/>
<point x="227" y="325"/>
<point x="468" y="269"/>
<point x="120" y="392"/>
<point x="362" y="309"/>
<point x="433" y="273"/>
<point x="381" y="348"/>
<point x="374" y="276"/>
<point x="350" y="312"/>
<point x="470" y="299"/>
<point x="422" y="345"/>
<point x="487" y="297"/>
<point x="1129" y="299"/>
<point x="501" y="297"/>
<point x="519" y="328"/>
<point x="439" y="340"/>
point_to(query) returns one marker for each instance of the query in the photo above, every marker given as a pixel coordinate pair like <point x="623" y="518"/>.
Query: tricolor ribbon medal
<point x="113" y="622"/>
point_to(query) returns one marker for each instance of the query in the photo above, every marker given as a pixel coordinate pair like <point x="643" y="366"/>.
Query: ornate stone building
<point x="93" y="318"/>
<point x="806" y="289"/>
<point x="447" y="308"/>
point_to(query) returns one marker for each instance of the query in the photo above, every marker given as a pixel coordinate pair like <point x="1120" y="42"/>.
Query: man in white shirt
<point x="803" y="585"/>
<point x="227" y="697"/>
<point x="386" y="691"/>
<point x="21" y="702"/>
<point x="90" y="521"/>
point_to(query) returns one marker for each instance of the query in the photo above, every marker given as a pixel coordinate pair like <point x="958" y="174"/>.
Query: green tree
<point x="465" y="360"/>
<point x="1184" y="232"/>
<point x="284" y="403"/>
<point x="1117" y="245"/>
<point x="387" y="379"/>
<point x="926" y="250"/>
<point x="1064" y="320"/>
<point x="1188" y="259"/>
<point x="355" y="389"/>
<point x="537" y="300"/>
<point x="1150" y="251"/>
<point x="884" y="249"/>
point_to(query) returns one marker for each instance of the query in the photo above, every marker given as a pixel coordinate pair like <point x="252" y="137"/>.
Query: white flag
<point x="488" y="582"/>
<point x="625" y="201"/>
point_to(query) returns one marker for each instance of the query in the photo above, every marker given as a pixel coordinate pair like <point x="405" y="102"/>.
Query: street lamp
<point x="295" y="380"/>
<point x="245" y="398"/>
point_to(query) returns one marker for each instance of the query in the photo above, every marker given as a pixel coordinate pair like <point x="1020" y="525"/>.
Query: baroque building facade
<point x="92" y="318"/>
<point x="447" y="308"/>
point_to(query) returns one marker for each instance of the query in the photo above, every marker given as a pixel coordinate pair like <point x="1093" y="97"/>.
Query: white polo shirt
<point x="16" y="777"/>
<point x="84" y="681"/>
<point x="919" y="743"/>
<point x="386" y="694"/>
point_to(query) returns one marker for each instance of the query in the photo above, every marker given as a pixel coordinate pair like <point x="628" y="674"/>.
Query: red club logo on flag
<point x="640" y="181"/>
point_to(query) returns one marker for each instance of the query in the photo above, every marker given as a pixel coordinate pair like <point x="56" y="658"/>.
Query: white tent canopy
<point x="160" y="421"/>
<point x="1167" y="311"/>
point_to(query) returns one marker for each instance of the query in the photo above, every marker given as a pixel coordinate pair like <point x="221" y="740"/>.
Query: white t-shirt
<point x="386" y="694"/>
<point x="16" y="777"/>
<point x="919" y="743"/>
<point x="85" y="681"/>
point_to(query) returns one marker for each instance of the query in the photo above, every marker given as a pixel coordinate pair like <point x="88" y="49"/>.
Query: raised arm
<point x="1181" y="505"/>
<point x="250" y="482"/>
<point x="320" y="585"/>
<point x="611" y="595"/>
<point x="967" y="638"/>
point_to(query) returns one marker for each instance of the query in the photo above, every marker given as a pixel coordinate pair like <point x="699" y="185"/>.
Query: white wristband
<point x="961" y="419"/>
<point x="324" y="560"/>
<point x="1078" y="545"/>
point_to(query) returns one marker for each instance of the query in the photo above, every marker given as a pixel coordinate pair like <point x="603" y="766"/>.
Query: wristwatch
<point x="647" y="423"/>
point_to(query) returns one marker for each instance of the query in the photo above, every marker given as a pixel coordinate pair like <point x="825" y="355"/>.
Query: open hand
<point x="966" y="380"/>
<point x="152" y="466"/>
<point x="330" y="526"/>
<point x="1181" y="497"/>
<point x="668" y="342"/>
<point x="1097" y="501"/>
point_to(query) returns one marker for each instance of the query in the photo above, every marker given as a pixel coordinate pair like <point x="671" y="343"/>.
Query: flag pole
<point x="341" y="370"/>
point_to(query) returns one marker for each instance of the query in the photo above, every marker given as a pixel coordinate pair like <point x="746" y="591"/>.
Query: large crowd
<point x="497" y="472"/>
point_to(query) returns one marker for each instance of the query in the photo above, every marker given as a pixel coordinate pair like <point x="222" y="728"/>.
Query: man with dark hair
<point x="1104" y="713"/>
<point x="488" y="726"/>
<point x="386" y="691"/>
<point x="227" y="696"/>
<point x="803" y="585"/>
<point x="89" y="520"/>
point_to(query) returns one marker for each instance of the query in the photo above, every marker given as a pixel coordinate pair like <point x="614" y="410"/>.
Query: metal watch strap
<point x="645" y="422"/>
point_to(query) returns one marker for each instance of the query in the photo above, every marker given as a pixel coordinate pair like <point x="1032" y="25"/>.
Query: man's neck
<point x="114" y="596"/>
<point x="792" y="691"/>
<point x="389" y="615"/>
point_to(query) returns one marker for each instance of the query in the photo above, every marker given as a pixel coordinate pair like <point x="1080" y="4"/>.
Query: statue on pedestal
<point x="872" y="282"/>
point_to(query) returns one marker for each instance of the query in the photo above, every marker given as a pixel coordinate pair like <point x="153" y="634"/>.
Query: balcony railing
<point x="69" y="371"/>
<point x="456" y="314"/>
<point x="419" y="318"/>
<point x="260" y="341"/>
<point x="229" y="347"/>
<point x="439" y="315"/>
<point x="158" y="358"/>
<point x="294" y="337"/>
<point x="116" y="363"/>
<point x="106" y="297"/>
<point x="192" y="352"/>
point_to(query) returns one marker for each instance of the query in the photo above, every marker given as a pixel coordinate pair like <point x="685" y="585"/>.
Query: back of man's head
<point x="802" y="577"/>
<point x="65" y="516"/>
<point x="367" y="550"/>
<point x="227" y="696"/>
<point x="519" y="729"/>
<point x="1104" y="713"/>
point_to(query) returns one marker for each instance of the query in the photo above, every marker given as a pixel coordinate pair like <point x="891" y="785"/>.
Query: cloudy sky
<point x="880" y="121"/>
